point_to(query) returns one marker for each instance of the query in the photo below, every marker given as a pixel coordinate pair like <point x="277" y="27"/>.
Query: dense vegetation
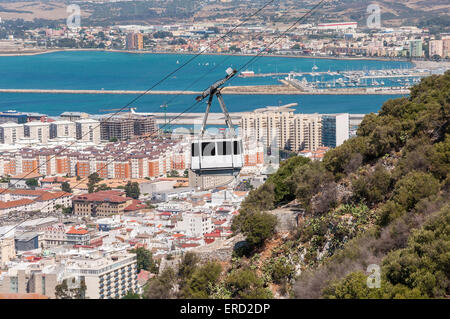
<point x="371" y="200"/>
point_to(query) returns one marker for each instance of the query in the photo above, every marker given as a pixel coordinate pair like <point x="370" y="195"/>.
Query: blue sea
<point x="124" y="71"/>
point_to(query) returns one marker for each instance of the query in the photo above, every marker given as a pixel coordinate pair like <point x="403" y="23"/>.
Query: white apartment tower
<point x="88" y="130"/>
<point x="10" y="133"/>
<point x="37" y="131"/>
<point x="66" y="129"/>
<point x="283" y="129"/>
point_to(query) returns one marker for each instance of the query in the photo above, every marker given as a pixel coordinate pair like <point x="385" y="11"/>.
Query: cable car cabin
<point x="217" y="156"/>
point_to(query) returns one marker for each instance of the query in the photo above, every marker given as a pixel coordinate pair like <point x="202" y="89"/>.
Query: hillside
<point x="380" y="198"/>
<point x="433" y="13"/>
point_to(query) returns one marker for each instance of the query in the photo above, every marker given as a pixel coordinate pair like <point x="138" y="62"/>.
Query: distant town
<point x="341" y="39"/>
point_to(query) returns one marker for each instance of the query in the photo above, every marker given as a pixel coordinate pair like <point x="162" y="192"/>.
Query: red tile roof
<point x="29" y="175"/>
<point x="103" y="196"/>
<point x="135" y="205"/>
<point x="79" y="231"/>
<point x="15" y="203"/>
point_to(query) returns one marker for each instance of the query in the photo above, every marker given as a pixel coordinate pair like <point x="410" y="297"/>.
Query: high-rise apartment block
<point x="88" y="130"/>
<point x="10" y="133"/>
<point x="134" y="41"/>
<point x="63" y="129"/>
<point x="335" y="129"/>
<point x="282" y="129"/>
<point x="127" y="127"/>
<point x="37" y="131"/>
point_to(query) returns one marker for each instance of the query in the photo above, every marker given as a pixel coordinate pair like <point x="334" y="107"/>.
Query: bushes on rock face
<point x="308" y="181"/>
<point x="245" y="284"/>
<point x="161" y="287"/>
<point x="413" y="187"/>
<point x="279" y="270"/>
<point x="283" y="191"/>
<point x="394" y="172"/>
<point x="420" y="270"/>
<point x="201" y="281"/>
<point x="258" y="227"/>
<point x="372" y="187"/>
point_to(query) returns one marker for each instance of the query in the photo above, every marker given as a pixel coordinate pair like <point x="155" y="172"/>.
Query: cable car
<point x="221" y="154"/>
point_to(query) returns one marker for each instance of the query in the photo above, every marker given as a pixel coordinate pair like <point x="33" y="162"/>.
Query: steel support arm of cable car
<point x="225" y="111"/>
<point x="205" y="117"/>
<point x="215" y="90"/>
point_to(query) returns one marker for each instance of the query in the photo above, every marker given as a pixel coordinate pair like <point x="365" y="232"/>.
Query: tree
<point x="102" y="187"/>
<point x="62" y="290"/>
<point x="65" y="187"/>
<point x="173" y="173"/>
<point x="132" y="190"/>
<point x="93" y="179"/>
<point x="258" y="227"/>
<point x="31" y="183"/>
<point x="198" y="286"/>
<point x="145" y="260"/>
<point x="161" y="287"/>
<point x="67" y="210"/>
<point x="413" y="187"/>
<point x="187" y="265"/>
<point x="244" y="283"/>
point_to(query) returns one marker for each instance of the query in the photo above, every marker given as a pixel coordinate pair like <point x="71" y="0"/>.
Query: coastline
<point x="39" y="52"/>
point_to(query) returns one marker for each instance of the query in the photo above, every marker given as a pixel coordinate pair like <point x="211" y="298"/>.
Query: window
<point x="224" y="148"/>
<point x="209" y="149"/>
<point x="194" y="149"/>
<point x="237" y="146"/>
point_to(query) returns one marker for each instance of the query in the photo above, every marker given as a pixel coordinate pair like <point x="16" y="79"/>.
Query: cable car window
<point x="237" y="148"/>
<point x="223" y="148"/>
<point x="194" y="149"/>
<point x="209" y="149"/>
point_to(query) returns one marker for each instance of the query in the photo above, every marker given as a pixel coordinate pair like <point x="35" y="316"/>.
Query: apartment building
<point x="10" y="133"/>
<point x="100" y="204"/>
<point x="335" y="129"/>
<point x="126" y="127"/>
<point x="26" y="200"/>
<point x="88" y="130"/>
<point x="149" y="158"/>
<point x="306" y="132"/>
<point x="120" y="128"/>
<point x="13" y="116"/>
<point x="63" y="129"/>
<point x="134" y="41"/>
<point x="195" y="224"/>
<point x="106" y="275"/>
<point x="37" y="130"/>
<point x="7" y="249"/>
<point x="144" y="125"/>
<point x="281" y="128"/>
